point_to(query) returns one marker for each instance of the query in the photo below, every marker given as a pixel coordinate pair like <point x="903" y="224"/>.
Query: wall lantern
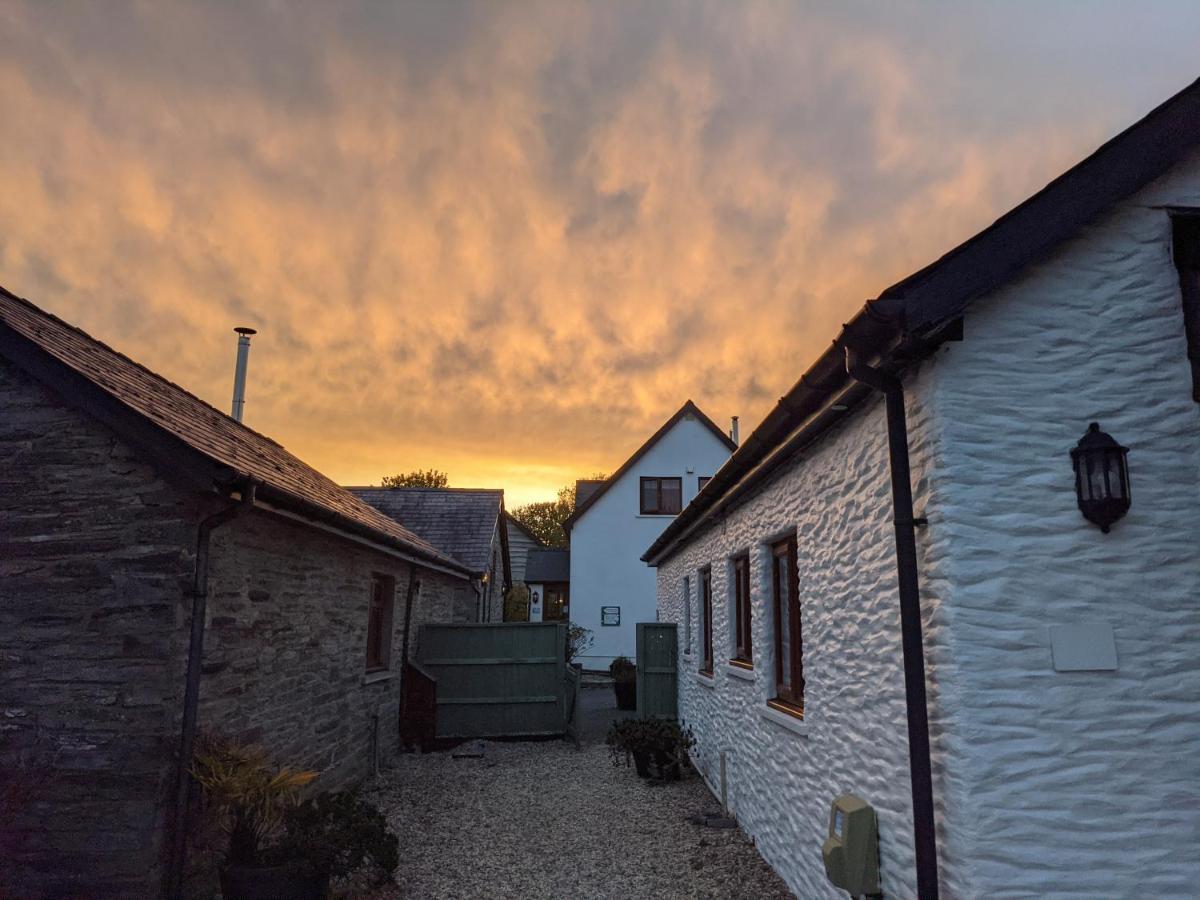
<point x="1101" y="477"/>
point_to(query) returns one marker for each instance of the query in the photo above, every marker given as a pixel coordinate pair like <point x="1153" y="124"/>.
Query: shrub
<point x="579" y="640"/>
<point x="250" y="793"/>
<point x="664" y="739"/>
<point x="340" y="834"/>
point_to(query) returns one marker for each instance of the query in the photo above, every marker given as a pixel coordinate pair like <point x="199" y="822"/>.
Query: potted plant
<point x="628" y="739"/>
<point x="339" y="835"/>
<point x="644" y="741"/>
<point x="624" y="676"/>
<point x="252" y="796"/>
<point x="670" y="746"/>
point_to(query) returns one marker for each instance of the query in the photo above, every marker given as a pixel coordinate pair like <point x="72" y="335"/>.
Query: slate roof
<point x="585" y="488"/>
<point x="688" y="409"/>
<point x="917" y="314"/>
<point x="542" y="566"/>
<point x="458" y="521"/>
<point x="43" y="343"/>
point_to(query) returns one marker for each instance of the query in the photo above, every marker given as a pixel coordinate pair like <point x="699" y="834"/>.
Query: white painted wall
<point x="781" y="778"/>
<point x="607" y="542"/>
<point x="1048" y="784"/>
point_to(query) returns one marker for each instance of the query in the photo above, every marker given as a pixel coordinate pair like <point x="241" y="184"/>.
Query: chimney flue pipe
<point x="239" y="375"/>
<point x="733" y="430"/>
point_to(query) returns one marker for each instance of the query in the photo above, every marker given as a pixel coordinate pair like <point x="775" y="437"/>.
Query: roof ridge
<point x="133" y="362"/>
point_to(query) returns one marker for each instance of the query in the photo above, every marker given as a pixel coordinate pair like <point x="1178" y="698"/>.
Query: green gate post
<point x="657" y="669"/>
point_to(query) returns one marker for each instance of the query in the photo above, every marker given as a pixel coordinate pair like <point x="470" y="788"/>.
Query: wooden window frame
<point x="1185" y="249"/>
<point x="381" y="598"/>
<point x="706" y="607"/>
<point x="658" y="510"/>
<point x="687" y="615"/>
<point x="743" y="641"/>
<point x="791" y="699"/>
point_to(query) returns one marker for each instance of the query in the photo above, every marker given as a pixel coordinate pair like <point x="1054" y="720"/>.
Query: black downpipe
<point x="924" y="828"/>
<point x="191" y="692"/>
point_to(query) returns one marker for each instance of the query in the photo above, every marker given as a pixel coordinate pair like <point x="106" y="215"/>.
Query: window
<point x="1187" y="260"/>
<point x="706" y="665"/>
<point x="662" y="496"/>
<point x="687" y="615"/>
<point x="702" y="481"/>
<point x="379" y="622"/>
<point x="789" y="665"/>
<point x="743" y="654"/>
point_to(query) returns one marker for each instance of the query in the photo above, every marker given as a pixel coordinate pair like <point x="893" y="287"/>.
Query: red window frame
<point x="706" y="664"/>
<point x="377" y="622"/>
<point x="785" y="590"/>
<point x="743" y="649"/>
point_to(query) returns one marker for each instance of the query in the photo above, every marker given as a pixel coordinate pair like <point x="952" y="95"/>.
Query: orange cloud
<point x="501" y="240"/>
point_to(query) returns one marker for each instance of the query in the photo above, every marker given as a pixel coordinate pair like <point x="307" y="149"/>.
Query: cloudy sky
<point x="508" y="240"/>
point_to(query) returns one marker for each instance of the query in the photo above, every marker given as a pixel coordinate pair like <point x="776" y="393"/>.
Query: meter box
<point x="851" y="852"/>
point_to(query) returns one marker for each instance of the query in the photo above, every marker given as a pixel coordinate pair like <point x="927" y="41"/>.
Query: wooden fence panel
<point x="497" y="680"/>
<point x="657" y="667"/>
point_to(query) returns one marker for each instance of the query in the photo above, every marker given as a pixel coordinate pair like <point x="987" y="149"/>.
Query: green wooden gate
<point x="657" y="649"/>
<point x="497" y="680"/>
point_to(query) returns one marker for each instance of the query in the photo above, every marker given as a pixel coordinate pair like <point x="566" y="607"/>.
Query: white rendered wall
<point x="1078" y="783"/>
<point x="608" y="541"/>
<point x="781" y="779"/>
<point x="1047" y="784"/>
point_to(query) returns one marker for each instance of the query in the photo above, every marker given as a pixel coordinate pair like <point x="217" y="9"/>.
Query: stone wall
<point x="97" y="557"/>
<point x="285" y="654"/>
<point x="96" y="553"/>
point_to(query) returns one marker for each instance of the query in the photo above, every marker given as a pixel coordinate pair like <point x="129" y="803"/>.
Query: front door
<point x="555" y="603"/>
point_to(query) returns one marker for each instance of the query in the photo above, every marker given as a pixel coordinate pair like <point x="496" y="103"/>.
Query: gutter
<point x="924" y="825"/>
<point x="191" y="693"/>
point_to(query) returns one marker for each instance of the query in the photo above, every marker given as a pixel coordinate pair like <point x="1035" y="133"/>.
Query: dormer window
<point x="662" y="496"/>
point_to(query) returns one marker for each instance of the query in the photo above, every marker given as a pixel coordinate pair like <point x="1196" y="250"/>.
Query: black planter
<point x="641" y="761"/>
<point x="272" y="883"/>
<point x="667" y="766"/>
<point x="626" y="692"/>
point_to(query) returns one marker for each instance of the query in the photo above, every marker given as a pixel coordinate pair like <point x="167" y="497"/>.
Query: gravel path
<point x="541" y="820"/>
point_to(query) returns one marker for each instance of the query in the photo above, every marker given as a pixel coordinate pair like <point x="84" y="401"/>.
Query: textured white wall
<point x="608" y="541"/>
<point x="1079" y="784"/>
<point x="838" y="502"/>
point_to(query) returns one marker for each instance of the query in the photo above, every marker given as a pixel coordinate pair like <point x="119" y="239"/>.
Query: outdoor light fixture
<point x="1101" y="477"/>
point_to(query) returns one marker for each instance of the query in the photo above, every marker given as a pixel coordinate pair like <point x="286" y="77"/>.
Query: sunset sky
<point x="509" y="240"/>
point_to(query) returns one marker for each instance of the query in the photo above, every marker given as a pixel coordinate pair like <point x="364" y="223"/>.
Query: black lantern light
<point x="1101" y="477"/>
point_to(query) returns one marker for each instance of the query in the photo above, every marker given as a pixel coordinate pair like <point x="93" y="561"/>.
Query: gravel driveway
<point x="542" y="820"/>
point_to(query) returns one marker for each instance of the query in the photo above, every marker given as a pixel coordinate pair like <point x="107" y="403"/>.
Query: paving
<point x="540" y="819"/>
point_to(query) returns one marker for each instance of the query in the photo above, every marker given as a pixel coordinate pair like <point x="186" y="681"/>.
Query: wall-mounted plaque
<point x="610" y="615"/>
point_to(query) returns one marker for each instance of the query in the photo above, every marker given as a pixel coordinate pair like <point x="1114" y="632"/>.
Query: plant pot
<point x="667" y="765"/>
<point x="641" y="761"/>
<point x="272" y="883"/>
<point x="626" y="692"/>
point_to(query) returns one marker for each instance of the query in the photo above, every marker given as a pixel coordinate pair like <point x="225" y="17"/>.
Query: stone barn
<point x="165" y="568"/>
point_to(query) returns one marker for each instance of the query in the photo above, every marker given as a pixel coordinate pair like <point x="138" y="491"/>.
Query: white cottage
<point x="611" y="590"/>
<point x="1059" y="665"/>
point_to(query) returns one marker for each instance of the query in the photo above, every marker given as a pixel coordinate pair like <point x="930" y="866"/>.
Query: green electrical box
<point x="851" y="852"/>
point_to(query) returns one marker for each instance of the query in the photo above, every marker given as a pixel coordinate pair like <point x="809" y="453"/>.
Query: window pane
<point x="672" y="495"/>
<point x="649" y="495"/>
<point x="784" y="606"/>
